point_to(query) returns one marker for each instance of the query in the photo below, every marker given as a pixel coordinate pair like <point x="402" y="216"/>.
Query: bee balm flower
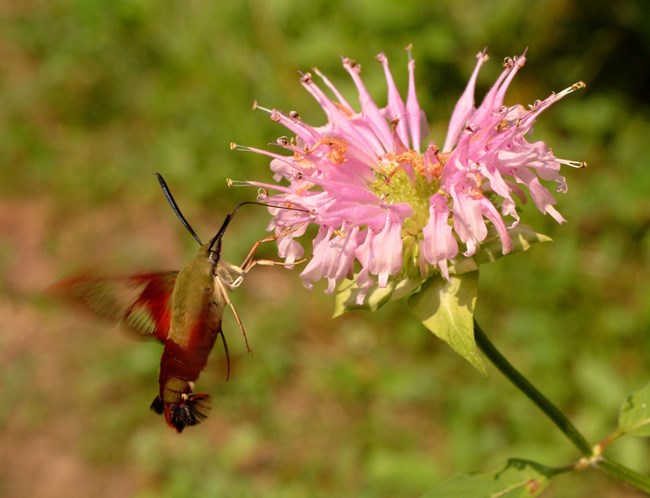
<point x="390" y="208"/>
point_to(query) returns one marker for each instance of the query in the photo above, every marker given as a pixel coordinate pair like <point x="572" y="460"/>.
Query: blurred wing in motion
<point x="140" y="302"/>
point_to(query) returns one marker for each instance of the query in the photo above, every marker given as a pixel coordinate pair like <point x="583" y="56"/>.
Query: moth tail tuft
<point x="191" y="412"/>
<point x="157" y="405"/>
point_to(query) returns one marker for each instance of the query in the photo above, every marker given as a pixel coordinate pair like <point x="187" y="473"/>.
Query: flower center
<point x="402" y="179"/>
<point x="408" y="178"/>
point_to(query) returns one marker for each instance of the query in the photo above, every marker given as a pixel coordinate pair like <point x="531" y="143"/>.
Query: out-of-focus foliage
<point x="97" y="96"/>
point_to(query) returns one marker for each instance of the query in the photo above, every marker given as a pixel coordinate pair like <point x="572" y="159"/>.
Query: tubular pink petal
<point x="396" y="108"/>
<point x="337" y="119"/>
<point x="313" y="272"/>
<point x="464" y="107"/>
<point x="513" y="67"/>
<point x="365" y="282"/>
<point x="490" y="212"/>
<point x="369" y="109"/>
<point x="333" y="258"/>
<point x="438" y="244"/>
<point x="387" y="252"/>
<point x="415" y="118"/>
<point x="543" y="198"/>
<point x="289" y="249"/>
<point x="334" y="90"/>
<point x="488" y="104"/>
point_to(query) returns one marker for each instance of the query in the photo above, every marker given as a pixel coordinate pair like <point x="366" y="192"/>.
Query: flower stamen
<point x="573" y="164"/>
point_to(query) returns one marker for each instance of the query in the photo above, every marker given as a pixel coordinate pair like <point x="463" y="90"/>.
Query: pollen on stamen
<point x="275" y="115"/>
<point x="520" y="61"/>
<point x="256" y="106"/>
<point x="352" y="64"/>
<point x="573" y="164"/>
<point x="237" y="183"/>
<point x="576" y="86"/>
<point x="235" y="146"/>
<point x="483" y="55"/>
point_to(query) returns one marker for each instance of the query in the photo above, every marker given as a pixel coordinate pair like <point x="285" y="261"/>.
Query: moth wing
<point x="140" y="302"/>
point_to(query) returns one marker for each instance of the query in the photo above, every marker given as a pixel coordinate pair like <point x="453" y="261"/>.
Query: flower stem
<point x="593" y="455"/>
<point x="624" y="474"/>
<point x="542" y="402"/>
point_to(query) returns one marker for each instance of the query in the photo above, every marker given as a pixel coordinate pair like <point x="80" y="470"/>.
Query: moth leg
<point x="262" y="262"/>
<point x="227" y="300"/>
<point x="225" y="280"/>
<point x="250" y="262"/>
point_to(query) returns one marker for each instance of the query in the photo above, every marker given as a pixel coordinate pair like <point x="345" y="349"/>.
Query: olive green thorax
<point x="192" y="295"/>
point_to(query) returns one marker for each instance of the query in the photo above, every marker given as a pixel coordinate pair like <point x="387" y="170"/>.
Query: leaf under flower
<point x="348" y="292"/>
<point x="446" y="308"/>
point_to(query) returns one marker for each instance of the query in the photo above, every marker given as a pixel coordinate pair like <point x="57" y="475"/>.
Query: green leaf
<point x="634" y="417"/>
<point x="446" y="308"/>
<point x="522" y="236"/>
<point x="347" y="292"/>
<point x="517" y="478"/>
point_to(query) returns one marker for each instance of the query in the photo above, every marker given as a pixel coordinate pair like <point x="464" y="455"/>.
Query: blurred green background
<point x="97" y="96"/>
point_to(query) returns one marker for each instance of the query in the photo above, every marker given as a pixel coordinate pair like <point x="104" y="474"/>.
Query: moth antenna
<point x="177" y="211"/>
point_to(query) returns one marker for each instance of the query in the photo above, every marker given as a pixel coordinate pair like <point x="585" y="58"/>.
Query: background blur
<point x="97" y="96"/>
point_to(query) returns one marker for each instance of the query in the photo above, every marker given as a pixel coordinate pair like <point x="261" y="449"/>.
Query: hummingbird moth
<point x="183" y="310"/>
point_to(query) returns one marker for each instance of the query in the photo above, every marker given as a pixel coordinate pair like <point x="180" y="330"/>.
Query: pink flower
<point x="386" y="209"/>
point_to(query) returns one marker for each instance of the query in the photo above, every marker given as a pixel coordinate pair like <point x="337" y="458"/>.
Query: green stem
<point x="542" y="402"/>
<point x="601" y="462"/>
<point x="624" y="474"/>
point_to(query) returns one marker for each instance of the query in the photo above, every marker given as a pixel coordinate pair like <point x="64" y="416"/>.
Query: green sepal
<point x="634" y="417"/>
<point x="515" y="479"/>
<point x="522" y="236"/>
<point x="446" y="308"/>
<point x="345" y="298"/>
